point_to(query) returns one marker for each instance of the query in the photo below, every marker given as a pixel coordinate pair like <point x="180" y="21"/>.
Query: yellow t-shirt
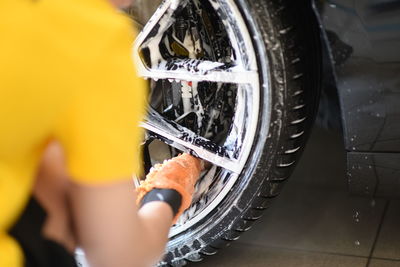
<point x="66" y="73"/>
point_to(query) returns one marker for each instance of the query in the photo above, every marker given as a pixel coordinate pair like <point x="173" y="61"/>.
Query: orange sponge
<point x="180" y="173"/>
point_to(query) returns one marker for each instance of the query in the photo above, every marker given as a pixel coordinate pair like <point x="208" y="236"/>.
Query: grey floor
<point x="315" y="222"/>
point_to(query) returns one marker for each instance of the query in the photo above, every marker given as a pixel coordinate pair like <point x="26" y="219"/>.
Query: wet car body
<point x="361" y="40"/>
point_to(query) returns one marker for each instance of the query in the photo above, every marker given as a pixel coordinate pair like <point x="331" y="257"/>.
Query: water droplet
<point x="373" y="203"/>
<point x="357" y="243"/>
<point x="356" y="217"/>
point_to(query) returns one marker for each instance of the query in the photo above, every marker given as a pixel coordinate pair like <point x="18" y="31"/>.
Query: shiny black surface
<point x="367" y="69"/>
<point x="363" y="41"/>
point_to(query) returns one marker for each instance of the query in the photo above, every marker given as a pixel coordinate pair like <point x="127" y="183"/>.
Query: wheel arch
<point x="330" y="108"/>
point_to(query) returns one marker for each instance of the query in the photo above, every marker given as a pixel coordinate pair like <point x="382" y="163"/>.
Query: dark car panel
<point x="363" y="40"/>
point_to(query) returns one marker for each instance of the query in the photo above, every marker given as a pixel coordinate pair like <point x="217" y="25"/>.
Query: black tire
<point x="286" y="40"/>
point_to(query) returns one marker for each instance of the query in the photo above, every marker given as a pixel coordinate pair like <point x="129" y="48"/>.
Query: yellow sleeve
<point x="99" y="130"/>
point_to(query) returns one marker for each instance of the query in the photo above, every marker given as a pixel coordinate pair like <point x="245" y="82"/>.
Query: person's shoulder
<point x="90" y="27"/>
<point x="95" y="35"/>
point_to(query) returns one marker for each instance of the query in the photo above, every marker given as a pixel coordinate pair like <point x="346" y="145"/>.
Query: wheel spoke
<point x="199" y="70"/>
<point x="153" y="32"/>
<point x="189" y="69"/>
<point x="185" y="140"/>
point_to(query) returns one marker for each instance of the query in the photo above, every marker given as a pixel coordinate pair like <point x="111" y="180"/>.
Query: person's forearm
<point x="155" y="219"/>
<point x="111" y="230"/>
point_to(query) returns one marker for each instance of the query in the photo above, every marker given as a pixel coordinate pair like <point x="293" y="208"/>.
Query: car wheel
<point x="236" y="83"/>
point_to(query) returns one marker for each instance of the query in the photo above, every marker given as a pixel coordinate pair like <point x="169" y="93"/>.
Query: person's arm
<point x="112" y="231"/>
<point x="100" y="214"/>
<point x="107" y="223"/>
<point x="50" y="190"/>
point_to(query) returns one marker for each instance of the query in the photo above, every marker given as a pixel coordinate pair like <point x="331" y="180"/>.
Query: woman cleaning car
<point x="68" y="91"/>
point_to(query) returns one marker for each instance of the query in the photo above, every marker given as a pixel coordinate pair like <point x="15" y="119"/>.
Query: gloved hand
<point x="180" y="173"/>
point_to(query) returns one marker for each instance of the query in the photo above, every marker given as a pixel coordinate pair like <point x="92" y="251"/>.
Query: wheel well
<point x="329" y="110"/>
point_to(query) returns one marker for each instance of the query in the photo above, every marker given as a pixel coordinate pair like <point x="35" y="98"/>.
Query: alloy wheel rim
<point x="229" y="157"/>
